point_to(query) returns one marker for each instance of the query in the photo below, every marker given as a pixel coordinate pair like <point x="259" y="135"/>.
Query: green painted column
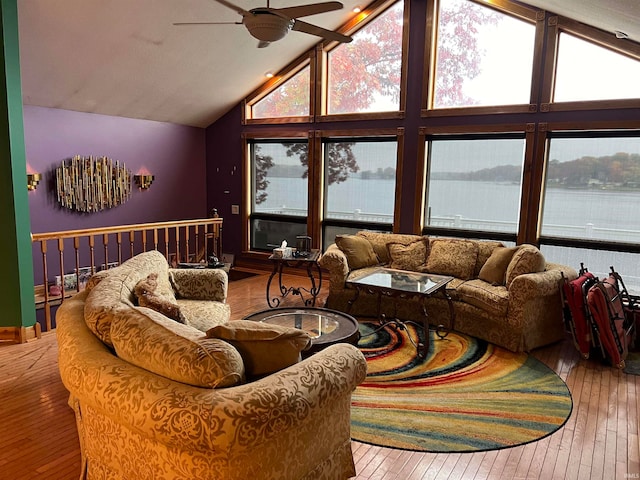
<point x="16" y="266"/>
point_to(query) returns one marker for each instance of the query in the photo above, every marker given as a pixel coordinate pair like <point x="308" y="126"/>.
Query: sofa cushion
<point x="264" y="348"/>
<point x="485" y="249"/>
<point x="527" y="259"/>
<point x="494" y="271"/>
<point x="408" y="257"/>
<point x="379" y="241"/>
<point x="149" y="340"/>
<point x="145" y="292"/>
<point x="358" y="251"/>
<point x="493" y="299"/>
<point x="204" y="314"/>
<point x="450" y="256"/>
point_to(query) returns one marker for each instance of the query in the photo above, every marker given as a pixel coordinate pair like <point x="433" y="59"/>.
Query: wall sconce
<point x="32" y="180"/>
<point x="143" y="181"/>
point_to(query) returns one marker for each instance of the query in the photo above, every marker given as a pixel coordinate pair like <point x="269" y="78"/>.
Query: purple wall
<point x="224" y="174"/>
<point x="175" y="154"/>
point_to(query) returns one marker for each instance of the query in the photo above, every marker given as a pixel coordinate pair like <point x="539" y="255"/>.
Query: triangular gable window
<point x="586" y="71"/>
<point x="484" y="57"/>
<point x="291" y="99"/>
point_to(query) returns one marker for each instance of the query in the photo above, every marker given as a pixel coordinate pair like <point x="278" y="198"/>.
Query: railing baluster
<point x="178" y="244"/>
<point x="92" y="252"/>
<point x="166" y="243"/>
<point x="186" y="243"/>
<point x="132" y="236"/>
<point x="105" y="244"/>
<point x="76" y="246"/>
<point x="47" y="305"/>
<point x="61" y="258"/>
<point x="212" y="224"/>
<point x="119" y="242"/>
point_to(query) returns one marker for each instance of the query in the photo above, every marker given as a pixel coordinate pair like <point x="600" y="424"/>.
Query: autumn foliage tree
<point x="369" y="68"/>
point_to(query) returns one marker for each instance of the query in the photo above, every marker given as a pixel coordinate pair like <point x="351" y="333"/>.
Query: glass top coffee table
<point x="389" y="282"/>
<point x="324" y="326"/>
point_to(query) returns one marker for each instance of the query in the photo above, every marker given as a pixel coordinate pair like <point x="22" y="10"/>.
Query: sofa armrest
<point x="210" y="420"/>
<point x="335" y="261"/>
<point x="200" y="283"/>
<point x="532" y="287"/>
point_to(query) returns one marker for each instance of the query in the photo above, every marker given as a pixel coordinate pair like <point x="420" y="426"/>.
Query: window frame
<point x="505" y="7"/>
<point x="368" y="15"/>
<point x="577" y="130"/>
<point x="527" y="131"/>
<point x="355" y="135"/>
<point x="558" y="24"/>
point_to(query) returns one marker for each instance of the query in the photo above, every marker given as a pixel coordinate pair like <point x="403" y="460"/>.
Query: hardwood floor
<point x="599" y="441"/>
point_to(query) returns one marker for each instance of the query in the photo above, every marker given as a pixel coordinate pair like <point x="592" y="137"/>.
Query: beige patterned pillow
<point x="358" y="251"/>
<point x="264" y="348"/>
<point x="379" y="240"/>
<point x="149" y="340"/>
<point x="527" y="259"/>
<point x="408" y="257"/>
<point x="494" y="271"/>
<point x="451" y="256"/>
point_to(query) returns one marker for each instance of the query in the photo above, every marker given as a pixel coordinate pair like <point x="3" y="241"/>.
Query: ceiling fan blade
<point x="305" y="27"/>
<point x="233" y="7"/>
<point x="207" y="23"/>
<point x="306" y="10"/>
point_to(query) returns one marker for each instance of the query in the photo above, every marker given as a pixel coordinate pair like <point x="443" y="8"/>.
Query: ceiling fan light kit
<point x="267" y="27"/>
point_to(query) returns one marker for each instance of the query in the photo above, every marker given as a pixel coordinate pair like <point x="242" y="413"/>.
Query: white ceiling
<point x="126" y="58"/>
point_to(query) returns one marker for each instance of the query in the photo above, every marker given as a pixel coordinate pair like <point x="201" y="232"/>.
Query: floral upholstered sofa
<point x="506" y="296"/>
<point x="158" y="398"/>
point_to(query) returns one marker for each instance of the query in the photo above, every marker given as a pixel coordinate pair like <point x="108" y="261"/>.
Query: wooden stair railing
<point x="179" y="241"/>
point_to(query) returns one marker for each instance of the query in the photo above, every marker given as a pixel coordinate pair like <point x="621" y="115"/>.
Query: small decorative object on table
<point x="283" y="251"/>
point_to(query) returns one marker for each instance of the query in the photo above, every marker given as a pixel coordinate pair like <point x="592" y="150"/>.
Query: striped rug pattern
<point x="466" y="396"/>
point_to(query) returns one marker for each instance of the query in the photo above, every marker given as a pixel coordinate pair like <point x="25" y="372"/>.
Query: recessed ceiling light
<point x="620" y="34"/>
<point x="356" y="9"/>
<point x="268" y="75"/>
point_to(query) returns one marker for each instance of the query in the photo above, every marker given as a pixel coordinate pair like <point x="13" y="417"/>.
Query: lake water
<point x="614" y="215"/>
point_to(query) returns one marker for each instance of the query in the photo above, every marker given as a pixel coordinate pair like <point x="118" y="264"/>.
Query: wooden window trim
<point x="506" y="7"/>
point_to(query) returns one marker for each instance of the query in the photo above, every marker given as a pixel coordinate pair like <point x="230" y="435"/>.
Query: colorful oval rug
<point x="466" y="396"/>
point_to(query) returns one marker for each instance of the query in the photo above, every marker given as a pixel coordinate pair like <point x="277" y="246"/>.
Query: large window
<point x="360" y="184"/>
<point x="279" y="193"/>
<point x="592" y="194"/>
<point x="484" y="57"/>
<point x="593" y="188"/>
<point x="587" y="71"/>
<point x="364" y="75"/>
<point x="474" y="183"/>
<point x="360" y="180"/>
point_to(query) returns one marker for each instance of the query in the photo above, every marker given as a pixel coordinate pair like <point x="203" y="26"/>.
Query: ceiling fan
<point x="272" y="24"/>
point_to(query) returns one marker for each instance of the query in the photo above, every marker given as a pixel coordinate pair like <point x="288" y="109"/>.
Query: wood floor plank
<point x="598" y="442"/>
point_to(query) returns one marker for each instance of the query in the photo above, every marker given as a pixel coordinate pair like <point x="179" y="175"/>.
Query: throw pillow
<point x="408" y="257"/>
<point x="527" y="259"/>
<point x="358" y="251"/>
<point x="494" y="271"/>
<point x="379" y="240"/>
<point x="264" y="348"/>
<point x="149" y="340"/>
<point x="145" y="292"/>
<point x="450" y="256"/>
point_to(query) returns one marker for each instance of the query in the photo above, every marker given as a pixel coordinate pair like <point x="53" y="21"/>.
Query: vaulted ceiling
<point x="126" y="58"/>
